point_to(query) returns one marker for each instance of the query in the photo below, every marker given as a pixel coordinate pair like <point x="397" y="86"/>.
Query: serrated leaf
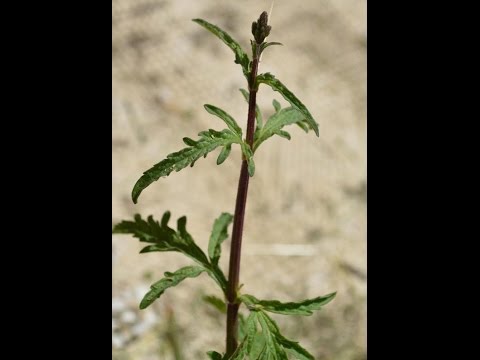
<point x="229" y="120"/>
<point x="275" y="123"/>
<point x="241" y="56"/>
<point x="219" y="234"/>
<point x="216" y="302"/>
<point x="170" y="279"/>
<point x="242" y="326"/>
<point x="148" y="231"/>
<point x="273" y="349"/>
<point x="294" y="348"/>
<point x="214" y="355"/>
<point x="305" y="307"/>
<point x="209" y="141"/>
<point x="276" y="85"/>
<point x="191" y="248"/>
<point x="224" y="154"/>
<point x="245" y="346"/>
<point x="251" y="331"/>
<point x="258" y="113"/>
<point x="163" y="238"/>
<point x="279" y="341"/>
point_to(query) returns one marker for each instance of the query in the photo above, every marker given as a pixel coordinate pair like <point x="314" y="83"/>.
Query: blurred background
<point x="305" y="227"/>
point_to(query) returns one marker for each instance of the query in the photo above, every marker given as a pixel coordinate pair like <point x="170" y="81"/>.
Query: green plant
<point x="256" y="336"/>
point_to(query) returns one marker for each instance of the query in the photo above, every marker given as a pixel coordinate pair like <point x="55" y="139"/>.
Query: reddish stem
<point x="238" y="221"/>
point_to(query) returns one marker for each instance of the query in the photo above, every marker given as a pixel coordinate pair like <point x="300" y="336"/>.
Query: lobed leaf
<point x="219" y="234"/>
<point x="230" y="121"/>
<point x="278" y="343"/>
<point x="241" y="56"/>
<point x="245" y="347"/>
<point x="163" y="238"/>
<point x="275" y="123"/>
<point x="170" y="280"/>
<point x="276" y="85"/>
<point x="148" y="231"/>
<point x="209" y="141"/>
<point x="273" y="350"/>
<point x="305" y="307"/>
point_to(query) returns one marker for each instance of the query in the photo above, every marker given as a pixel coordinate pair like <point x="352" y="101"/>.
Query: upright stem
<point x="237" y="232"/>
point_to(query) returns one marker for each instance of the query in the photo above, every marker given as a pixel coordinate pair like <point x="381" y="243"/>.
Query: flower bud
<point x="260" y="28"/>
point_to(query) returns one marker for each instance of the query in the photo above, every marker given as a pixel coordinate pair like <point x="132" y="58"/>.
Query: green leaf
<point x="276" y="105"/>
<point x="163" y="238"/>
<point x="258" y="113"/>
<point x="214" y="355"/>
<point x="305" y="307"/>
<point x="224" y="154"/>
<point x="170" y="279"/>
<point x="273" y="349"/>
<point x="191" y="249"/>
<point x="283" y="134"/>
<point x="242" y="326"/>
<point x="251" y="166"/>
<point x="216" y="302"/>
<point x="248" y="153"/>
<point x="219" y="234"/>
<point x="276" y="85"/>
<point x="230" y="121"/>
<point x="275" y="123"/>
<point x="277" y="343"/>
<point x="245" y="346"/>
<point x="149" y="231"/>
<point x="303" y="126"/>
<point x="251" y="331"/>
<point x="209" y="141"/>
<point x="267" y="44"/>
<point x="240" y="56"/>
<point x="294" y="348"/>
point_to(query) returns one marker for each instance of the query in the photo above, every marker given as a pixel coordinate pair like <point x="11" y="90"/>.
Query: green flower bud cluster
<point x="260" y="28"/>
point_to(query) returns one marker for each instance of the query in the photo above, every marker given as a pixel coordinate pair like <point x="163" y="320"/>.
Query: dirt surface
<point x="305" y="228"/>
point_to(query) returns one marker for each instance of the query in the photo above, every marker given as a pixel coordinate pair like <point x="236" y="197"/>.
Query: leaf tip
<point x="135" y="194"/>
<point x="143" y="305"/>
<point x="251" y="168"/>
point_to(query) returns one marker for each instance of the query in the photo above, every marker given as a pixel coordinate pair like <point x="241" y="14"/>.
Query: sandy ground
<point x="305" y="232"/>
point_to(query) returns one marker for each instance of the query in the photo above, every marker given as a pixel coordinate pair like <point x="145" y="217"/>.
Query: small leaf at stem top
<point x="240" y="56"/>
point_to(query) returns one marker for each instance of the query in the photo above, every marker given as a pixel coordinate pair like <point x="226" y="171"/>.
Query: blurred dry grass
<point x="305" y="231"/>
